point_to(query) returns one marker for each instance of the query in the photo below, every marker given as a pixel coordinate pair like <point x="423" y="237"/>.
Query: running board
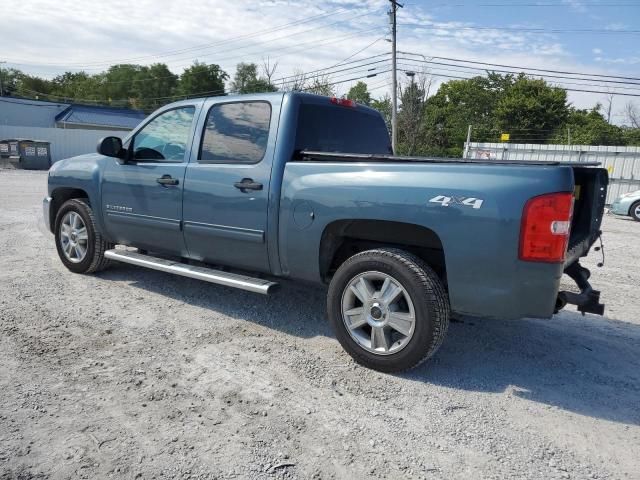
<point x="256" y="285"/>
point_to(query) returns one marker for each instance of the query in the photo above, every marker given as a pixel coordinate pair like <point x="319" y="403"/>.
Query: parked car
<point x="628" y="205"/>
<point x="304" y="187"/>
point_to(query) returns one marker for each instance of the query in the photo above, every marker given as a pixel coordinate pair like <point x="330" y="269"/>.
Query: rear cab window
<point x="334" y="128"/>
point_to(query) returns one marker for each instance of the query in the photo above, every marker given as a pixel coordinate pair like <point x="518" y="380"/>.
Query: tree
<point x="246" y="80"/>
<point x="77" y="87"/>
<point x="202" y="79"/>
<point x="30" y="85"/>
<point x="383" y="105"/>
<point x="410" y="118"/>
<point x="268" y="69"/>
<point x="631" y="136"/>
<point x="589" y="127"/>
<point x="531" y="108"/>
<point x="359" y="93"/>
<point x="320" y="85"/>
<point x="118" y="84"/>
<point x="295" y="83"/>
<point x="455" y="106"/>
<point x="153" y="86"/>
<point x="10" y="80"/>
<point x="633" y="115"/>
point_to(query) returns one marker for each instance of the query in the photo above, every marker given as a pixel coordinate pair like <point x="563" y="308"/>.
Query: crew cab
<point x="244" y="191"/>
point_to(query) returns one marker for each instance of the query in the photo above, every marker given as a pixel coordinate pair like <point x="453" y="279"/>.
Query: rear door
<point x="226" y="191"/>
<point x="142" y="199"/>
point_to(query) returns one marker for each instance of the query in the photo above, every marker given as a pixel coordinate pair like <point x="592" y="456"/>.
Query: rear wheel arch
<point x="342" y="239"/>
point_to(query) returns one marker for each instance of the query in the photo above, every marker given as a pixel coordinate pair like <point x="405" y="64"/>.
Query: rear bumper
<point x="46" y="213"/>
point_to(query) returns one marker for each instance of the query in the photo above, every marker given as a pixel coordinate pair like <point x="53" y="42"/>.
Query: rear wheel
<point x="388" y="308"/>
<point x="634" y="211"/>
<point x="80" y="245"/>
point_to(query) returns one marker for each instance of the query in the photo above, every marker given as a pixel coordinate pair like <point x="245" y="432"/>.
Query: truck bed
<point x="314" y="156"/>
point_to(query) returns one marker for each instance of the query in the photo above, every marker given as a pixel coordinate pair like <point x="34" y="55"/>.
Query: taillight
<point x="546" y="222"/>
<point x="343" y="102"/>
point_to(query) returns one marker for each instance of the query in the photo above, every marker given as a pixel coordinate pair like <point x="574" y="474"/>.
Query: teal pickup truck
<point x="242" y="191"/>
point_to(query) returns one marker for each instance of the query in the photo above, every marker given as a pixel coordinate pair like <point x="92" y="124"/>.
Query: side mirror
<point x="111" y="147"/>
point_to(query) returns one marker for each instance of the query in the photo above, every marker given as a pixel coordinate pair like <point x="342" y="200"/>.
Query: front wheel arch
<point x="61" y="195"/>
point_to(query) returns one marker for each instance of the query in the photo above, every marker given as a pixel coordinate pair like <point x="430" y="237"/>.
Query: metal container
<point x="29" y="154"/>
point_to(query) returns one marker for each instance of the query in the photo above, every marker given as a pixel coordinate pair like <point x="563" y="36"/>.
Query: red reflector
<point x="544" y="234"/>
<point x="343" y="102"/>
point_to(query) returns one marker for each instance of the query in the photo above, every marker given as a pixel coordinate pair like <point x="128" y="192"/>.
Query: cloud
<point x="616" y="26"/>
<point x="91" y="35"/>
<point x="597" y="51"/>
<point x="576" y="5"/>
<point x="620" y="60"/>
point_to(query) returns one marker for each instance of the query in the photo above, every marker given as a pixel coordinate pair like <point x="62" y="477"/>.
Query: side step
<point x="256" y="285"/>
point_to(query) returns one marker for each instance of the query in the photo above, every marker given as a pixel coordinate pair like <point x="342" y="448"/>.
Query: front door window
<point x="165" y="138"/>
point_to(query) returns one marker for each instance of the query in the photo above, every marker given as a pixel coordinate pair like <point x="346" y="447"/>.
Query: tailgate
<point x="588" y="210"/>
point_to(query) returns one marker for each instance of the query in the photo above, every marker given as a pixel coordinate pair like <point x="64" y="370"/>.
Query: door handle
<point x="247" y="184"/>
<point x="166" y="180"/>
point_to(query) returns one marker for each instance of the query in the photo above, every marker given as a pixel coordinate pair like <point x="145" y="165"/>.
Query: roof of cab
<point x="305" y="97"/>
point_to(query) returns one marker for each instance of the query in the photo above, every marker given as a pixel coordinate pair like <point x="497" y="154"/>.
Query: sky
<point x="602" y="37"/>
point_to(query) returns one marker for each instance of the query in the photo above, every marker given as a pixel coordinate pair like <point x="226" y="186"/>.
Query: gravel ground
<point x="136" y="374"/>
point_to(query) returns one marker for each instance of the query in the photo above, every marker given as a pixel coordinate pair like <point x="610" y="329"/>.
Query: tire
<point x="634" y="211"/>
<point x="421" y="309"/>
<point x="91" y="241"/>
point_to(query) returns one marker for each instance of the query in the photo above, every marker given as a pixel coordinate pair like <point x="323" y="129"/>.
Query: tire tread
<point x="99" y="261"/>
<point x="434" y="291"/>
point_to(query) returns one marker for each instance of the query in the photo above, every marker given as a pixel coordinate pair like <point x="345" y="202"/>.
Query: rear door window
<point x="236" y="133"/>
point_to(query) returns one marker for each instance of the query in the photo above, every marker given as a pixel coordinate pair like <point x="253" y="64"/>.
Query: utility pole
<point x="394" y="78"/>
<point x="466" y="145"/>
<point x="610" y="99"/>
<point x="1" y="90"/>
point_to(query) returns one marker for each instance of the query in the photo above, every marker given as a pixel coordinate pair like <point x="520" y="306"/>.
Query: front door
<point x="142" y="199"/>
<point x="226" y="191"/>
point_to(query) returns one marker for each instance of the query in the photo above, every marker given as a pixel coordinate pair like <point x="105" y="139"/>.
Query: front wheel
<point x="388" y="308"/>
<point x="634" y="211"/>
<point x="80" y="244"/>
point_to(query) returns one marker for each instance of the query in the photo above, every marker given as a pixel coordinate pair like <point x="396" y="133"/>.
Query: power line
<point x="567" y="89"/>
<point x="369" y="73"/>
<point x="195" y="47"/>
<point x="234" y="49"/>
<point x="325" y="70"/>
<point x="291" y="47"/>
<point x="358" y="52"/>
<point x="153" y="79"/>
<point x="545" y="76"/>
<point x="597" y="31"/>
<point x="477" y="62"/>
<point x="544" y="5"/>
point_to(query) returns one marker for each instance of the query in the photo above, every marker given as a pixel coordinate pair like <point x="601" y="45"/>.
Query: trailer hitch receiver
<point x="588" y="300"/>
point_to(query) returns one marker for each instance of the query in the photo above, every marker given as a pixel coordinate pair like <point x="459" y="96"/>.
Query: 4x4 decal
<point x="446" y="201"/>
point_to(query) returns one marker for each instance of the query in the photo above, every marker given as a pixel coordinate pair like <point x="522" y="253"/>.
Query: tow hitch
<point x="588" y="300"/>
